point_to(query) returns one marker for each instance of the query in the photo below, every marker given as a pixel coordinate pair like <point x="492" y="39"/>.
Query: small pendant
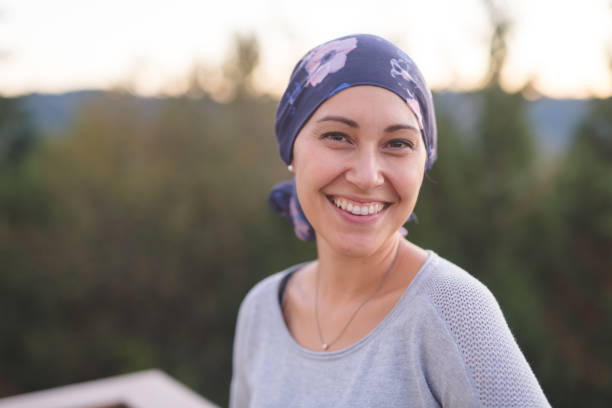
<point x="324" y="346"/>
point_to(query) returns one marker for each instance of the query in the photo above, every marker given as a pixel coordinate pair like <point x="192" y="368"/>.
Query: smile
<point x="356" y="208"/>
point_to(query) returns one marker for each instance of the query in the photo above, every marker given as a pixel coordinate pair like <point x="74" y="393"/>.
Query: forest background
<point x="130" y="234"/>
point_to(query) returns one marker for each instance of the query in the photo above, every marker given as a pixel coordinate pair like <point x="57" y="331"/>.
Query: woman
<point x="375" y="320"/>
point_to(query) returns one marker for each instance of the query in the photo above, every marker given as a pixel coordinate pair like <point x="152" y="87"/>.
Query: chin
<point x="355" y="245"/>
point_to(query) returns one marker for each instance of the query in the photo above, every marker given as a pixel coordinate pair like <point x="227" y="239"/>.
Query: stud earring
<point x="290" y="168"/>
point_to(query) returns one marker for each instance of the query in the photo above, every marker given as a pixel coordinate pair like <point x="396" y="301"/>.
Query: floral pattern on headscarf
<point x="327" y="58"/>
<point x="301" y="226"/>
<point x="399" y="67"/>
<point x="283" y="199"/>
<point x="400" y="71"/>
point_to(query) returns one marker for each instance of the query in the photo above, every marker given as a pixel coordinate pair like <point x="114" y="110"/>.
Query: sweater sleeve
<point x="498" y="370"/>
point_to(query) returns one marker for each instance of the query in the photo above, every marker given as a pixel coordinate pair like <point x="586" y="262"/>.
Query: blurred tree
<point x="23" y="210"/>
<point x="19" y="192"/>
<point x="160" y="226"/>
<point x="17" y="136"/>
<point x="500" y="24"/>
<point x="504" y="142"/>
<point x="574" y="257"/>
<point x="241" y="64"/>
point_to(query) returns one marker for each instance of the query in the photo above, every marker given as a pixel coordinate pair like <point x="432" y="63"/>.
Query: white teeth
<point x="358" y="209"/>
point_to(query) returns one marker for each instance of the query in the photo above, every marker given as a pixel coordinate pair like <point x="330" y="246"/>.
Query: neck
<point x="344" y="278"/>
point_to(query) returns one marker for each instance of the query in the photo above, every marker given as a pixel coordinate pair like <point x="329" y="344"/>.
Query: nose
<point x="365" y="170"/>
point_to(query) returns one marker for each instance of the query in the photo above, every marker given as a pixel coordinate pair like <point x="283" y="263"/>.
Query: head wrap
<point x="360" y="59"/>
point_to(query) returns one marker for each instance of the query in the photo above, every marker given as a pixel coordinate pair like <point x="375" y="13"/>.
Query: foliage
<point x="128" y="241"/>
<point x="574" y="259"/>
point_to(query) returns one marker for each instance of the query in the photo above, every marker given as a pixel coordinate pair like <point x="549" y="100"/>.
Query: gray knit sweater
<point x="445" y="343"/>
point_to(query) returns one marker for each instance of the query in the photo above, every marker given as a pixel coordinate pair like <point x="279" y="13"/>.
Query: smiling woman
<point x="375" y="320"/>
<point x="365" y="156"/>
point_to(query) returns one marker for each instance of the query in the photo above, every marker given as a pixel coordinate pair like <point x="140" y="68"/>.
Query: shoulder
<point x="497" y="367"/>
<point x="455" y="292"/>
<point x="261" y="289"/>
<point x="257" y="314"/>
<point x="263" y="295"/>
<point x="467" y="307"/>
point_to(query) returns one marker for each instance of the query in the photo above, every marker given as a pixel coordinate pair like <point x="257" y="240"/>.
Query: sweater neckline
<point x="295" y="347"/>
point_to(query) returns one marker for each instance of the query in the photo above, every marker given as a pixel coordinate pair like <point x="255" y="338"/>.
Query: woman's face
<point x="359" y="163"/>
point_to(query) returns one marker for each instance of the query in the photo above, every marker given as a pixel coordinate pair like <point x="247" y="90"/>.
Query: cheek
<point x="308" y="174"/>
<point x="407" y="182"/>
<point x="413" y="174"/>
<point x="316" y="164"/>
<point x="300" y="151"/>
<point x="313" y="176"/>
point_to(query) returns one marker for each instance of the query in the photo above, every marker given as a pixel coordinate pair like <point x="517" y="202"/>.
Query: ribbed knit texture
<point x="445" y="343"/>
<point x="484" y="340"/>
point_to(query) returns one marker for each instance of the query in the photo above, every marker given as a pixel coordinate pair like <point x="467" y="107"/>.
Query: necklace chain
<point x="325" y="346"/>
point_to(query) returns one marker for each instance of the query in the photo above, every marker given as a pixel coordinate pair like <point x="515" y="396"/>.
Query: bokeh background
<point x="137" y="151"/>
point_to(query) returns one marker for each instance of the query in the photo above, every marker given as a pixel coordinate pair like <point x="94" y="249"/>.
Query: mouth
<point x="358" y="208"/>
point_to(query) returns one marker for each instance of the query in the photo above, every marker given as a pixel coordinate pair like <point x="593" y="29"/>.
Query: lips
<point x="358" y="208"/>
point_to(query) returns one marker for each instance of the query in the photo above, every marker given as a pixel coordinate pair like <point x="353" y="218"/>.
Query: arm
<point x="495" y="365"/>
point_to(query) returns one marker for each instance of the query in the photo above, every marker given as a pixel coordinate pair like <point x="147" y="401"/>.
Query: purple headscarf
<point x="360" y="59"/>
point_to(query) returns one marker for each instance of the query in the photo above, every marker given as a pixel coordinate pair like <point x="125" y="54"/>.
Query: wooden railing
<point x="145" y="389"/>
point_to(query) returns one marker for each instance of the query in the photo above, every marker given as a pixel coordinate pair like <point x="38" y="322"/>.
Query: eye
<point x="400" y="144"/>
<point x="335" y="137"/>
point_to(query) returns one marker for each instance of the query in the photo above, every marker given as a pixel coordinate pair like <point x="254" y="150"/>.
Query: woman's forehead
<point x="364" y="104"/>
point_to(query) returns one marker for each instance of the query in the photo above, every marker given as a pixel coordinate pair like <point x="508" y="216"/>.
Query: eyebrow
<point x="342" y="119"/>
<point x="354" y="124"/>
<point x="393" y="128"/>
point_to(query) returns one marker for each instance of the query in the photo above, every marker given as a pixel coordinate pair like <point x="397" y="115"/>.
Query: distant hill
<point x="53" y="113"/>
<point x="553" y="120"/>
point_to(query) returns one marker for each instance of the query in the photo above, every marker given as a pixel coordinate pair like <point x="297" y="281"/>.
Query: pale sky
<point x="563" y="46"/>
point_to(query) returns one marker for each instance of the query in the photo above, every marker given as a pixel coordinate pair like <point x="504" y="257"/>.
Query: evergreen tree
<point x="575" y="260"/>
